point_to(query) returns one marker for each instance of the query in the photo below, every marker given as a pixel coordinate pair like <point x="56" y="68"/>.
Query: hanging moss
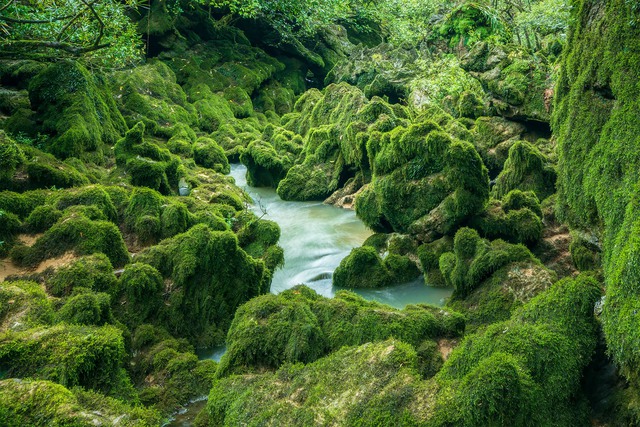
<point x="76" y="109"/>
<point x="597" y="131"/>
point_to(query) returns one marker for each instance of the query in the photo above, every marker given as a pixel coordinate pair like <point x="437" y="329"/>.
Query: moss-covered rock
<point x="424" y="182"/>
<point x="597" y="131"/>
<point x="92" y="272"/>
<point x="171" y="374"/>
<point x="67" y="354"/>
<point x="517" y="219"/>
<point x="25" y="168"/>
<point x="364" y="268"/>
<point x="210" y="277"/>
<point x="24" y="305"/>
<point x="526" y="169"/>
<point x="321" y="391"/>
<point x="139" y="295"/>
<point x="150" y="94"/>
<point x="79" y="234"/>
<point x="207" y="153"/>
<point x="35" y="402"/>
<point x="298" y="325"/>
<point x="538" y="355"/>
<point x="146" y="163"/>
<point x="76" y="109"/>
<point x="518" y="81"/>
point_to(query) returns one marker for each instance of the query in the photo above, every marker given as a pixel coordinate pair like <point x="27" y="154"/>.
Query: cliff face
<point x="597" y="123"/>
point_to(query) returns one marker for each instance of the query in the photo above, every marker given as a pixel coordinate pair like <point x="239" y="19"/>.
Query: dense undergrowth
<point x="130" y="247"/>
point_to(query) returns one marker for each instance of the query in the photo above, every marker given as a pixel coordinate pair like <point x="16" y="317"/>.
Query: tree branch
<point x="34" y="21"/>
<point x="67" y="47"/>
<point x="95" y="14"/>
<point x="9" y="3"/>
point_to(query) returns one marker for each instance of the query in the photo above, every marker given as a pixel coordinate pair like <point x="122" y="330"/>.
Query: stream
<point x="315" y="238"/>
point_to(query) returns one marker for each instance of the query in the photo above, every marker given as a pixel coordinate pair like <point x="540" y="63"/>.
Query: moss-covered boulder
<point x="516" y="219"/>
<point x="24" y="305"/>
<point x="24" y="168"/>
<point x="167" y="371"/>
<point x="70" y="355"/>
<point x="209" y="276"/>
<point x="538" y="355"/>
<point x="425" y="182"/>
<point x="321" y="391"/>
<point x="36" y="402"/>
<point x="79" y="234"/>
<point x="518" y="81"/>
<point x="146" y="163"/>
<point x="298" y="325"/>
<point x="526" y="169"/>
<point x="364" y="268"/>
<point x="150" y="94"/>
<point x="207" y="153"/>
<point x="75" y="107"/>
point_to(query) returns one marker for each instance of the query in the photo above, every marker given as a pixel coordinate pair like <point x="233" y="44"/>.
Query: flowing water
<point x="315" y="238"/>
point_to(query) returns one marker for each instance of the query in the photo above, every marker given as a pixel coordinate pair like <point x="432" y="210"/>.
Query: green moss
<point x="79" y="234"/>
<point x="585" y="256"/>
<point x="89" y="196"/>
<point x="87" y="309"/>
<point x="176" y="376"/>
<point x="68" y="354"/>
<point x="24" y="305"/>
<point x="298" y="325"/>
<point x="11" y="156"/>
<point x="92" y="272"/>
<point x="211" y="276"/>
<point x="34" y="402"/>
<point x="150" y="94"/>
<point x="429" y="255"/>
<point x="598" y="158"/>
<point x="76" y="109"/>
<point x="22" y="204"/>
<point x="42" y="218"/>
<point x="207" y="153"/>
<point x="526" y="169"/>
<point x="477" y="259"/>
<point x="517" y="220"/>
<point x="539" y="355"/>
<point x="139" y="293"/>
<point x="239" y="101"/>
<point x="362" y="268"/>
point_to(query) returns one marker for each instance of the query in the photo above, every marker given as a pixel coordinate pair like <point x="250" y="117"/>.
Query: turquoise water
<point x="315" y="238"/>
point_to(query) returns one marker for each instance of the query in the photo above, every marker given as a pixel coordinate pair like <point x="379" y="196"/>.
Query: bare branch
<point x="9" y="3"/>
<point x="67" y="47"/>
